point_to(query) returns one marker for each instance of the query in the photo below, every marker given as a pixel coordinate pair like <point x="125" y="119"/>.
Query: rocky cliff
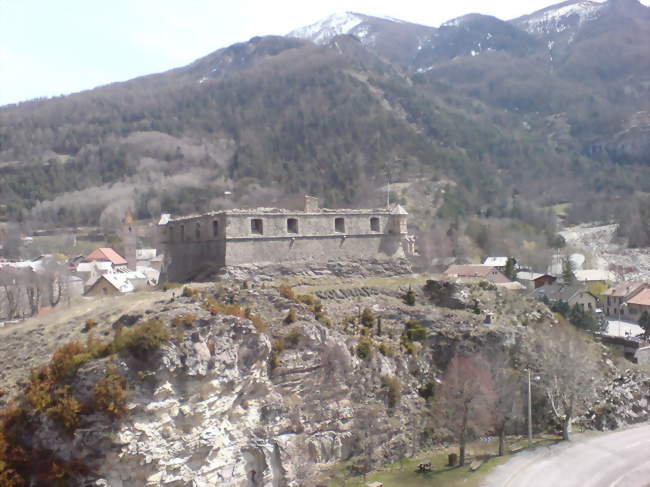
<point x="259" y="383"/>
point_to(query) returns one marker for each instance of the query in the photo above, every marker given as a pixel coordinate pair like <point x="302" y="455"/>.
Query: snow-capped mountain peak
<point x="323" y="31"/>
<point x="560" y="17"/>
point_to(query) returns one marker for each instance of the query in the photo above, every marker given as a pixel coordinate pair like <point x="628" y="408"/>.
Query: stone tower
<point x="129" y="239"/>
<point x="398" y="221"/>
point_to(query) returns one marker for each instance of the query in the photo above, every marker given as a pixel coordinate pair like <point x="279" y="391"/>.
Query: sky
<point x="48" y="48"/>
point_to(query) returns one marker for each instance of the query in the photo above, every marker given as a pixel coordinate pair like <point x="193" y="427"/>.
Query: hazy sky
<point x="52" y="47"/>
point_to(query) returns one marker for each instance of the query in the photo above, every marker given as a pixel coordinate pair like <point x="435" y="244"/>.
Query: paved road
<point x="620" y="459"/>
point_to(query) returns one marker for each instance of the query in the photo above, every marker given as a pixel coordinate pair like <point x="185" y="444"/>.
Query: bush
<point x="89" y="325"/>
<point x="184" y="319"/>
<point x="291" y="317"/>
<point x="190" y="292"/>
<point x="428" y="390"/>
<point x="392" y="387"/>
<point x="109" y="394"/>
<point x="143" y="338"/>
<point x="367" y="318"/>
<point x="415" y="332"/>
<point x="67" y="359"/>
<point x="307" y="299"/>
<point x="364" y="348"/>
<point x="66" y="409"/>
<point x="286" y="291"/>
<point x="409" y="297"/>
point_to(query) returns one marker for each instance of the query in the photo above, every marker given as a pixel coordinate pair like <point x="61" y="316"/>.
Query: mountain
<point x="476" y="111"/>
<point x="472" y="35"/>
<point x="395" y="39"/>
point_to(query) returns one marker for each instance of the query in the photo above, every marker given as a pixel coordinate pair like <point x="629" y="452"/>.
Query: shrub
<point x="143" y="338"/>
<point x="367" y="318"/>
<point x="185" y="319"/>
<point x="307" y="299"/>
<point x="409" y="297"/>
<point x="286" y="291"/>
<point x="428" y="390"/>
<point x="67" y="359"/>
<point x="414" y="331"/>
<point x="190" y="292"/>
<point x="364" y="348"/>
<point x="65" y="410"/>
<point x="109" y="394"/>
<point x="291" y="317"/>
<point x="276" y="350"/>
<point x="89" y="325"/>
<point x="392" y="387"/>
<point x="38" y="393"/>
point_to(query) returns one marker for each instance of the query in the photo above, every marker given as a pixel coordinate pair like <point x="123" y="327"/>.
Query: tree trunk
<point x="566" y="423"/>
<point x="463" y="429"/>
<point x="502" y="439"/>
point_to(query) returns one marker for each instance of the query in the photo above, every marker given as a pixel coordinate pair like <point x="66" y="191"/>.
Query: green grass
<point x="561" y="209"/>
<point x="403" y="473"/>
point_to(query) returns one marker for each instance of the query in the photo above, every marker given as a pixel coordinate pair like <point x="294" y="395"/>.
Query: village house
<point x="479" y="271"/>
<point x="616" y="297"/>
<point x="534" y="280"/>
<point x="638" y="303"/>
<point x="572" y="295"/>
<point x="116" y="284"/>
<point x="109" y="255"/>
<point x="203" y="244"/>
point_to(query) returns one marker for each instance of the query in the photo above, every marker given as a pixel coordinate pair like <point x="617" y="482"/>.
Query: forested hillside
<point x="480" y="108"/>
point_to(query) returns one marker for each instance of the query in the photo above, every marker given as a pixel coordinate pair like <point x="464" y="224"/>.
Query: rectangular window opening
<point x="197" y="232"/>
<point x="292" y="225"/>
<point x="215" y="228"/>
<point x="339" y="225"/>
<point x="257" y="226"/>
<point x="182" y="233"/>
<point x="374" y="224"/>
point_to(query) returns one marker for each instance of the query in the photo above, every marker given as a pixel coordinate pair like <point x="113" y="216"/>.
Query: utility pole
<point x="530" y="413"/>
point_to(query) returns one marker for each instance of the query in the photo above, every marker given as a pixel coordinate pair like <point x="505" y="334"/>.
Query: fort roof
<point x="279" y="212"/>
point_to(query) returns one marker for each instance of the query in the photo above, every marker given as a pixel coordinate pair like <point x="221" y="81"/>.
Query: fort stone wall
<point x="204" y="243"/>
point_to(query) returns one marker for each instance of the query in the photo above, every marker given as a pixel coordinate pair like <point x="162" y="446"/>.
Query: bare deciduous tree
<point x="568" y="359"/>
<point x="508" y="397"/>
<point x="466" y="398"/>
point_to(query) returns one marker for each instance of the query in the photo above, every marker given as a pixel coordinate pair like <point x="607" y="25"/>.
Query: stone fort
<point x="202" y="243"/>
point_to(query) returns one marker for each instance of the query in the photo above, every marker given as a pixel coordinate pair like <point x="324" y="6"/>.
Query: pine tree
<point x="568" y="276"/>
<point x="511" y="271"/>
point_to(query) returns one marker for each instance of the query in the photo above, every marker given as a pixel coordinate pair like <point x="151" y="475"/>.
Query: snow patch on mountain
<point x="334" y="25"/>
<point x="560" y="17"/>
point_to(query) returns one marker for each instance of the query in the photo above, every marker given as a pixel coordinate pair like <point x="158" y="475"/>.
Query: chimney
<point x="311" y="204"/>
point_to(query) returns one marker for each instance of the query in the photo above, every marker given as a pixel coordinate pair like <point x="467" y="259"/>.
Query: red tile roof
<point x="641" y="299"/>
<point x="105" y="254"/>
